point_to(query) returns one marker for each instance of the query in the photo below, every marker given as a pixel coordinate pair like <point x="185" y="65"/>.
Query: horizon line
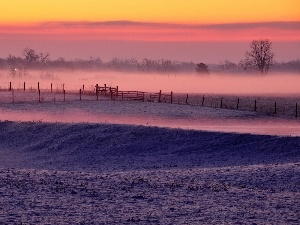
<point x="80" y="23"/>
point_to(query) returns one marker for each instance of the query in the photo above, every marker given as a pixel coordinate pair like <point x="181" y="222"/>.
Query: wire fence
<point x="23" y="92"/>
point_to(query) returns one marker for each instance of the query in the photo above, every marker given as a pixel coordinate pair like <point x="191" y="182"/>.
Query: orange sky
<point x="180" y="11"/>
<point x="34" y="22"/>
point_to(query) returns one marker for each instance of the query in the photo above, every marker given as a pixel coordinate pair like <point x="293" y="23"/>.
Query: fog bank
<point x="153" y="82"/>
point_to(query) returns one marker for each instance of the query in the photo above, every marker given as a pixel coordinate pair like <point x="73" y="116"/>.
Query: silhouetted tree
<point x="13" y="61"/>
<point x="202" y="68"/>
<point x="165" y="65"/>
<point x="44" y="58"/>
<point x="227" y="65"/>
<point x="260" y="56"/>
<point x="148" y="64"/>
<point x="30" y="56"/>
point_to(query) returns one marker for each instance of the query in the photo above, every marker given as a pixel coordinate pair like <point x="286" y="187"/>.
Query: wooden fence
<point x="271" y="106"/>
<point x="268" y="105"/>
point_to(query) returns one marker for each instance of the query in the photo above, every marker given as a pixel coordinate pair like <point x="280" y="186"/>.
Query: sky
<point x="185" y="30"/>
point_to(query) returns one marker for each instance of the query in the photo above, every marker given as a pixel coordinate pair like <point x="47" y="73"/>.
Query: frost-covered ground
<point x="258" y="194"/>
<point x="53" y="108"/>
<point x="85" y="162"/>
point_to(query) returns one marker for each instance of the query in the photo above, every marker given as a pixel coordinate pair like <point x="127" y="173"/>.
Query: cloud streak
<point x="141" y="31"/>
<point x="125" y="23"/>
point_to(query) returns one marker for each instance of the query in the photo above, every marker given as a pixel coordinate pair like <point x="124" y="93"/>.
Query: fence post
<point x="10" y="86"/>
<point x="64" y="95"/>
<point x="38" y="85"/>
<point x="51" y="87"/>
<point x="275" y="109"/>
<point x="203" y="100"/>
<point x="117" y="90"/>
<point x="159" y="96"/>
<point x="24" y="86"/>
<point x="255" y="108"/>
<point x="187" y="97"/>
<point x="222" y="102"/>
<point x="111" y="93"/>
<point x="171" y="97"/>
<point x="104" y="90"/>
<point x="82" y="87"/>
<point x="98" y="90"/>
<point x="80" y="94"/>
<point x="238" y="102"/>
<point x="296" y="110"/>
<point x="63" y="87"/>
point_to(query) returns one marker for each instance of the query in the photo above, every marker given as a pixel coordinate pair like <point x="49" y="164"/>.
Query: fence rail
<point x="269" y="105"/>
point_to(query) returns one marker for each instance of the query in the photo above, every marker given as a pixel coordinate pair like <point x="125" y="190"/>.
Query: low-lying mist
<point x="77" y="114"/>
<point x="153" y="82"/>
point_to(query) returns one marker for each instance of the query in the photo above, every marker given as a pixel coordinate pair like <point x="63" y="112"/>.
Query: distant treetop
<point x="202" y="68"/>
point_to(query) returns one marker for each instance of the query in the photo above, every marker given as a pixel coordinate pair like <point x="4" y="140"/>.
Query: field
<point x="130" y="162"/>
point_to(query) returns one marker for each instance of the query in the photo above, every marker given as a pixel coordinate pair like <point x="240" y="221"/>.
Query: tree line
<point x="30" y="59"/>
<point x="259" y="58"/>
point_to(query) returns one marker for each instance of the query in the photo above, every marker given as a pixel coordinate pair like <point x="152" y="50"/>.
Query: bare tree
<point x="227" y="65"/>
<point x="30" y="56"/>
<point x="260" y="56"/>
<point x="44" y="58"/>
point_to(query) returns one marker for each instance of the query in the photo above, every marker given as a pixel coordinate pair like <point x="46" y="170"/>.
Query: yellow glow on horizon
<point x="180" y="11"/>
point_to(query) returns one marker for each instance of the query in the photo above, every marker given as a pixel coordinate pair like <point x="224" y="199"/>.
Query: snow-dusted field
<point x="57" y="173"/>
<point x="257" y="194"/>
<point x="127" y="162"/>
